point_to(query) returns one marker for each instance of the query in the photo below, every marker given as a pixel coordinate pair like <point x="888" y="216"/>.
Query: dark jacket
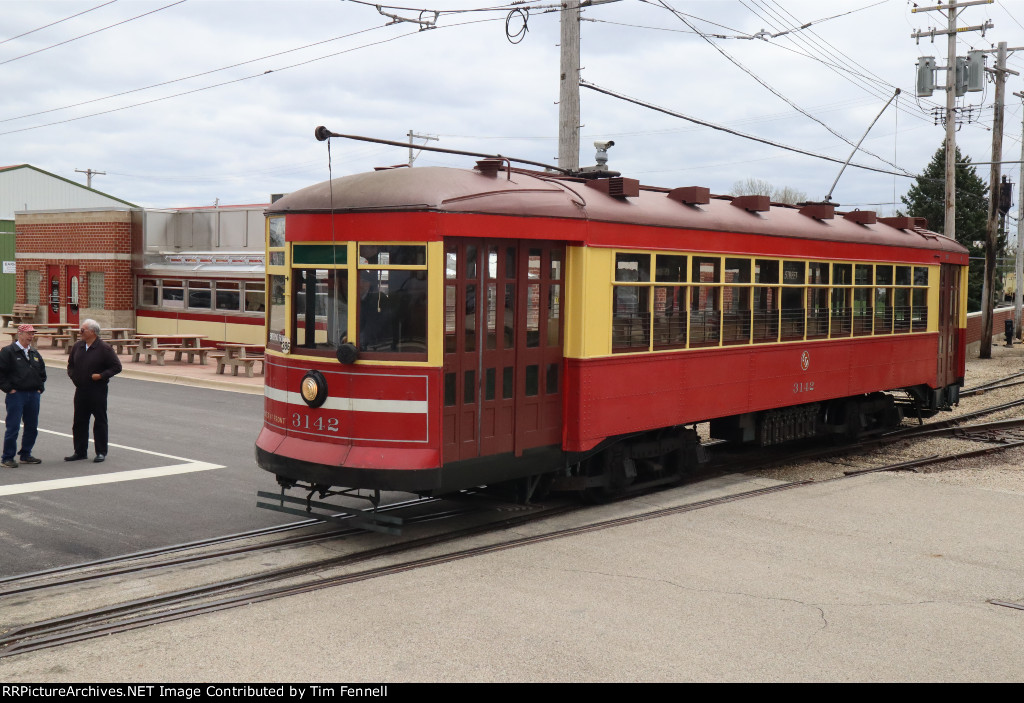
<point x="20" y="374"/>
<point x="99" y="358"/>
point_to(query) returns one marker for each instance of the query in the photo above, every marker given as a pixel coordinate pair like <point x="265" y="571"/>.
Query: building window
<point x="199" y="295"/>
<point x="228" y="298"/>
<point x="173" y="294"/>
<point x="32" y="279"/>
<point x="96" y="289"/>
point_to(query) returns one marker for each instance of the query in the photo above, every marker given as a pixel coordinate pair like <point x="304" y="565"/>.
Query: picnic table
<point x="238" y="356"/>
<point x="156" y="346"/>
<point x="54" y="331"/>
<point x="116" y="337"/>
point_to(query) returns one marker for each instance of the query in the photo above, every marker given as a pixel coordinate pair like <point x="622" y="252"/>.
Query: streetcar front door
<point x="503" y="327"/>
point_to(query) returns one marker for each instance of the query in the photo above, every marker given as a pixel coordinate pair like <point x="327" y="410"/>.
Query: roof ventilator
<point x="617" y="187"/>
<point x="490" y="166"/>
<point x="861" y="217"/>
<point x="752" y="203"/>
<point x="904" y="222"/>
<point x="691" y="195"/>
<point x="819" y="211"/>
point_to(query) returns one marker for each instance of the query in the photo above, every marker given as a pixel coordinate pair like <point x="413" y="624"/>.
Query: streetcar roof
<point x="533" y="194"/>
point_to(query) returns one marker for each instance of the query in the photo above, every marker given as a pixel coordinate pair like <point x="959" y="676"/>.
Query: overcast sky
<point x="216" y="100"/>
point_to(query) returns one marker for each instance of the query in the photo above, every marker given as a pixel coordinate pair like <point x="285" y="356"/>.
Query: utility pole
<point x="1018" y="297"/>
<point x="89" y="173"/>
<point x="994" y="193"/>
<point x="952" y="10"/>
<point x="569" y="87"/>
<point x="412" y="135"/>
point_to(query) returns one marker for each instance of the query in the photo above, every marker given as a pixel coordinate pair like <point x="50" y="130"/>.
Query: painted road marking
<point x="187" y="466"/>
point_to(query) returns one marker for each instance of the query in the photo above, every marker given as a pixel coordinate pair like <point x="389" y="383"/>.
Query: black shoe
<point x="75" y="457"/>
<point x="99" y="459"/>
<point x="9" y="463"/>
<point x="30" y="460"/>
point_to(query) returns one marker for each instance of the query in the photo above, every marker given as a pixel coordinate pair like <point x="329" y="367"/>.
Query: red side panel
<point x="374" y="417"/>
<point x="612" y="396"/>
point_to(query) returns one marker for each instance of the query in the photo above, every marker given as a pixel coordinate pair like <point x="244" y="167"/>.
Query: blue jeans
<point x="23" y="405"/>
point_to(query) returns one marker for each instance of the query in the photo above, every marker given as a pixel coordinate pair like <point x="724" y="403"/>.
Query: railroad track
<point x="401" y="556"/>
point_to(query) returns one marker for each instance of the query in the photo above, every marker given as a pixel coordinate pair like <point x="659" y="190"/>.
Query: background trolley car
<point x="433" y="329"/>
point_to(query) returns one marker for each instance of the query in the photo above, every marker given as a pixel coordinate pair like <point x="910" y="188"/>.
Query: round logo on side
<point x="805" y="360"/>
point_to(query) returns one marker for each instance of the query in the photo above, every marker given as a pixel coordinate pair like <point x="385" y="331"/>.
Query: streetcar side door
<point x="503" y="327"/>
<point x="949" y="311"/>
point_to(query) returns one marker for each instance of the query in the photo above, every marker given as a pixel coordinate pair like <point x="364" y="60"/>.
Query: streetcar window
<point x="862" y="275"/>
<point x="323" y="254"/>
<point x="392" y="314"/>
<point x="842" y="310"/>
<point x="901" y="309"/>
<point x="842" y="274"/>
<point x="275" y="228"/>
<point x="320" y="308"/>
<point x="920" y="276"/>
<point x="883" y="308"/>
<point x="919" y="310"/>
<point x="630" y="319"/>
<point x="670" y="269"/>
<point x="633" y="268"/>
<point x="736" y="302"/>
<point x="277" y="330"/>
<point x="903" y="275"/>
<point x="793" y="272"/>
<point x="817" y="273"/>
<point x="669" y="316"/>
<point x="393" y="254"/>
<point x="861" y="310"/>
<point x="883" y="275"/>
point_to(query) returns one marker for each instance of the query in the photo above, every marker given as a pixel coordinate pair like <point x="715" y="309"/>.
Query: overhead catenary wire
<point x="770" y="88"/>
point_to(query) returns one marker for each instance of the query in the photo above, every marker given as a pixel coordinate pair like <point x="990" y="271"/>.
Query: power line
<point x="89" y="34"/>
<point x="775" y="92"/>
<point x="69" y="17"/>
<point x="720" y="128"/>
<point x="235" y="80"/>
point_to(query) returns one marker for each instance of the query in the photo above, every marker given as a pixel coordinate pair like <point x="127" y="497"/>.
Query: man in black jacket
<point x="91" y="364"/>
<point x="22" y="378"/>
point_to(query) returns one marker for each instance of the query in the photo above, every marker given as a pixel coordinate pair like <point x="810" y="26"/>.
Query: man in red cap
<point x="22" y="378"/>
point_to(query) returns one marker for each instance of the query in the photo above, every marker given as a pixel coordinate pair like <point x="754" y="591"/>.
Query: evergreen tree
<point x="927" y="198"/>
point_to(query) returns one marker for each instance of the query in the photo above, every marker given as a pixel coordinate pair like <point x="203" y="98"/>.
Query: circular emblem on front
<point x="805" y="360"/>
<point x="314" y="389"/>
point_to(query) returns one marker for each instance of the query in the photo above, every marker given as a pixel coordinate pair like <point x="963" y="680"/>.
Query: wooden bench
<point x="21" y="312"/>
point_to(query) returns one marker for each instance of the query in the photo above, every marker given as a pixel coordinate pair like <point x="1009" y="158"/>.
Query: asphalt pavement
<point x="885" y="577"/>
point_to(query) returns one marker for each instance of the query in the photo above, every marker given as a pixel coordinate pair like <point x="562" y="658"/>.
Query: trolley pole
<point x="569" y="88"/>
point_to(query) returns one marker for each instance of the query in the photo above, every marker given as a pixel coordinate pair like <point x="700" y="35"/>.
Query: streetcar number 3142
<point x="805" y="387"/>
<point x="303" y="422"/>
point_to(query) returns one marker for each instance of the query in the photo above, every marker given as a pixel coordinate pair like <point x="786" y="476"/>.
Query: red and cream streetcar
<point x="433" y="329"/>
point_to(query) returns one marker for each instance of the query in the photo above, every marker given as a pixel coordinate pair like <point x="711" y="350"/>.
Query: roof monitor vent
<point x="691" y="195"/>
<point x="617" y="187"/>
<point x="862" y="217"/>
<point x="752" y="203"/>
<point x="904" y="222"/>
<point x="819" y="211"/>
<point x="490" y="166"/>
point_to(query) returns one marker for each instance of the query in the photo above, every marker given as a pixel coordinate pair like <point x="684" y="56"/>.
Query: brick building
<point x="76" y="265"/>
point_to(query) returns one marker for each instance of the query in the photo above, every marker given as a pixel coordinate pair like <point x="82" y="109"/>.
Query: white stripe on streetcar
<point x="360" y="405"/>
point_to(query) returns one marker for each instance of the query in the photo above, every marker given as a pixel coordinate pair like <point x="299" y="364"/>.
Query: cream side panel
<point x="588" y="323"/>
<point x="933" y="299"/>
